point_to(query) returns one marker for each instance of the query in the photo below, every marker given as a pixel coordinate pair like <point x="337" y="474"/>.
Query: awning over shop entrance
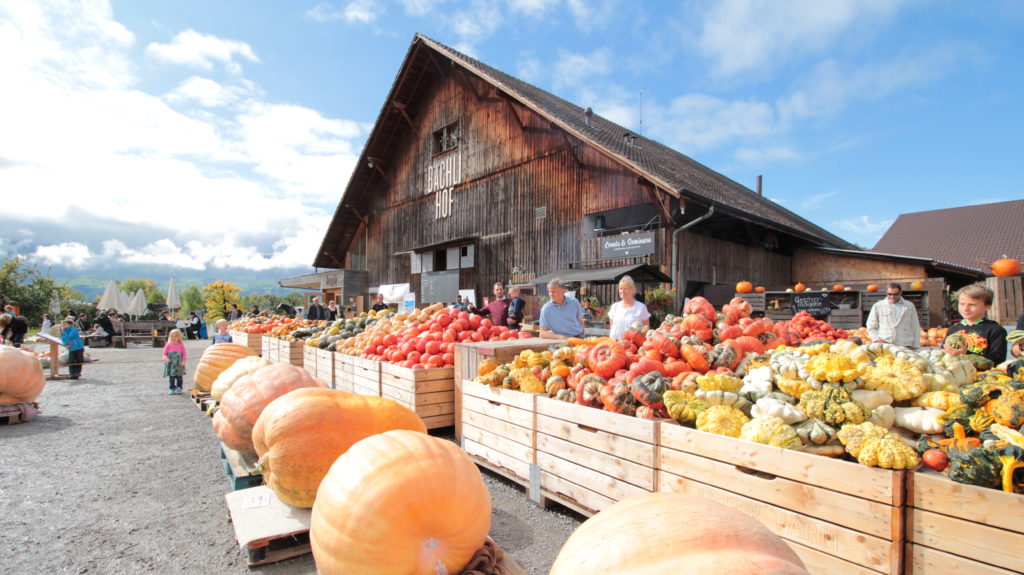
<point x="640" y="273"/>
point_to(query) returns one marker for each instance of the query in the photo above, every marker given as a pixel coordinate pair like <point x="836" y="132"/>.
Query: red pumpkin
<point x="618" y="398"/>
<point x="643" y="366"/>
<point x="21" y="376"/>
<point x="744" y="287"/>
<point x="727" y="354"/>
<point x="588" y="391"/>
<point x="700" y="306"/>
<point x="750" y="344"/>
<point x="662" y="344"/>
<point x="695" y="356"/>
<point x="606" y="357"/>
<point x="698" y="326"/>
<point x="1006" y="267"/>
<point x="741" y="304"/>
<point x="649" y="388"/>
<point x="759" y="289"/>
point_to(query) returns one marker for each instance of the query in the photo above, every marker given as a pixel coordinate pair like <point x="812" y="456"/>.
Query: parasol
<point x="173" y="299"/>
<point x="109" y="299"/>
<point x="137" y="306"/>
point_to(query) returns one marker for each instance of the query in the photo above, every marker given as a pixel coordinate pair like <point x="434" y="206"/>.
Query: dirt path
<point x="115" y="476"/>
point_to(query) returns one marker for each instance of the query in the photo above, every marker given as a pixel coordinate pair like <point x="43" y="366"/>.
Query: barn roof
<point x="967" y="236"/>
<point x="669" y="170"/>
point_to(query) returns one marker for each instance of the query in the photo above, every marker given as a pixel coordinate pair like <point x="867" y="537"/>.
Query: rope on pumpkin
<point x="487" y="561"/>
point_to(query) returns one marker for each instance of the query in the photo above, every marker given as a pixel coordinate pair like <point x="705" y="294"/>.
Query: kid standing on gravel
<point x="72" y="340"/>
<point x="175" y="357"/>
<point x="222" y="335"/>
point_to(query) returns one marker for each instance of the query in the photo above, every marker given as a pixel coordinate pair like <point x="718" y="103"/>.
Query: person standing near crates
<point x="894" y="319"/>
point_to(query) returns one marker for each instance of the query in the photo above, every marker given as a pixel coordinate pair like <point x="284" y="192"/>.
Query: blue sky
<point x="221" y="134"/>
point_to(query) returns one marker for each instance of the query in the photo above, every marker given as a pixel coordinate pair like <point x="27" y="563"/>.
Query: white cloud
<point x="530" y="70"/>
<point x="862" y="229"/>
<point x="67" y="253"/>
<point x="699" y="122"/>
<point x="419" y="7"/>
<point x="478" y="22"/>
<point x="355" y="12"/>
<point x="750" y="36"/>
<point x="766" y="154"/>
<point x="579" y="70"/>
<point x="532" y="8"/>
<point x="816" y="200"/>
<point x="197" y="50"/>
<point x="589" y="15"/>
<point x="206" y="93"/>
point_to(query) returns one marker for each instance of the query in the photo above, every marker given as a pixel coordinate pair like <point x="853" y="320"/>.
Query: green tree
<point x="268" y="302"/>
<point x="191" y="299"/>
<point x="22" y="283"/>
<point x="148" y="287"/>
<point x="219" y="296"/>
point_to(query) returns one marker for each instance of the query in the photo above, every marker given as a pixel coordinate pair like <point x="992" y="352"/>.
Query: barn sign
<point x="627" y="246"/>
<point x="443" y="174"/>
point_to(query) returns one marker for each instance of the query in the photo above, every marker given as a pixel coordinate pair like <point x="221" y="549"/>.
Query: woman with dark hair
<point x="192" y="325"/>
<point x="14" y="329"/>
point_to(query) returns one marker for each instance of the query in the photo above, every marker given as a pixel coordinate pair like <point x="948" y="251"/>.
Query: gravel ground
<point x="115" y="476"/>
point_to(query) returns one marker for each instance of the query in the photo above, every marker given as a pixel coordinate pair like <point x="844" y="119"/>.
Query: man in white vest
<point x="894" y="319"/>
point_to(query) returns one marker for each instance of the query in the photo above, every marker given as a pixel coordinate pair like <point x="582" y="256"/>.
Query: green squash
<point x="978" y="466"/>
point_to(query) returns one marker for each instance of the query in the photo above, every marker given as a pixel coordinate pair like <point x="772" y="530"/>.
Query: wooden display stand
<point x="343" y="374"/>
<point x="54" y="355"/>
<point x="839" y="516"/>
<point x="589" y="458"/>
<point x="266" y="528"/>
<point x="957" y="528"/>
<point x="1008" y="299"/>
<point x="428" y="392"/>
<point x="325" y="366"/>
<point x="269" y="347"/>
<point x="253" y="341"/>
<point x="499" y="429"/>
<point x="361" y="375"/>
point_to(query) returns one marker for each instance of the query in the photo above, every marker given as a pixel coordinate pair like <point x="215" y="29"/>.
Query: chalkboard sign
<point x="816" y="304"/>
<point x="439" y="286"/>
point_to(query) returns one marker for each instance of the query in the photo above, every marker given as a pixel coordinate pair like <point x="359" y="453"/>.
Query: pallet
<point x="239" y="467"/>
<point x="253" y="341"/>
<point x="756" y="300"/>
<point x="266" y="529"/>
<point x="428" y="392"/>
<point x="10" y="418"/>
<point x="499" y="430"/>
<point x="957" y="528"/>
<point x="845" y="318"/>
<point x="839" y="516"/>
<point x="589" y="459"/>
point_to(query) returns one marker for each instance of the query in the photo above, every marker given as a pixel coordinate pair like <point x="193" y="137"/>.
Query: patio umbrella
<point x="173" y="299"/>
<point x="122" y="301"/>
<point x="55" y="306"/>
<point x="109" y="298"/>
<point x="137" y="306"/>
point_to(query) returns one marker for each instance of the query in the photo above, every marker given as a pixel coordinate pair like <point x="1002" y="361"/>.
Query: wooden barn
<point x="472" y="176"/>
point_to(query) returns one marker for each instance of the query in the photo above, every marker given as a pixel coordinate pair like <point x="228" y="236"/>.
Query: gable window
<point x="447" y="138"/>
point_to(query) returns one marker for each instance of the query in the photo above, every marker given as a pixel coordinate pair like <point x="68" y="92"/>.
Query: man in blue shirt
<point x="562" y="316"/>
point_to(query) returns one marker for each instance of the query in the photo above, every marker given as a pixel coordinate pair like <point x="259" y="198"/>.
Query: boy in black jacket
<point x="977" y="335"/>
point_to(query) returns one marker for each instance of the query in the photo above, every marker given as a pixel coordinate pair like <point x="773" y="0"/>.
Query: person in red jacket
<point x="498" y="308"/>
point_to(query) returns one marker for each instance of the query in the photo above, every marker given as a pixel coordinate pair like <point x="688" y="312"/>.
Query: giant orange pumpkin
<point x="21" y="376"/>
<point x="216" y="359"/>
<point x="243" y="403"/>
<point x="300" y="434"/>
<point x="744" y="287"/>
<point x="685" y="534"/>
<point x="400" y="503"/>
<point x="1006" y="267"/>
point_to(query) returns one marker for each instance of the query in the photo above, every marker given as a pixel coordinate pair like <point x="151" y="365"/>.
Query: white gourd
<point x="919" y="419"/>
<point x="771" y="407"/>
<point x="871" y="399"/>
<point x="883" y="416"/>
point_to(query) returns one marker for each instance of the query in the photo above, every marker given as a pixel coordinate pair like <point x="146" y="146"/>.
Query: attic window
<point x="447" y="138"/>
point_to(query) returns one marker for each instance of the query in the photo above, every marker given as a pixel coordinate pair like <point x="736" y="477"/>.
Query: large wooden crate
<point x="845" y="318"/>
<point x="309" y="360"/>
<point x="499" y="429"/>
<point x="469" y="355"/>
<point x="839" y="516"/>
<point x="954" y="528"/>
<point x="325" y="365"/>
<point x="756" y="301"/>
<point x="253" y="341"/>
<point x="362" y="374"/>
<point x="589" y="459"/>
<point x="428" y="392"/>
<point x="270" y="348"/>
<point x="1008" y="299"/>
<point x="343" y="373"/>
<point x="290" y="352"/>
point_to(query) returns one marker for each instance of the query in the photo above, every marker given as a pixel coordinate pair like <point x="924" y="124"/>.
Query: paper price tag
<point x="261" y="500"/>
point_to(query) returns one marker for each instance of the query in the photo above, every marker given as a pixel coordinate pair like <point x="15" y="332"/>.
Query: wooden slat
<point x="866" y="516"/>
<point x="923" y="560"/>
<point x="865" y="550"/>
<point x="871" y="483"/>
<point x="576" y="497"/>
<point x="419" y="386"/>
<point x="433" y="422"/>
<point x="502" y="395"/>
<point x="818" y="563"/>
<point x="599" y="460"/>
<point x="607" y="485"/>
<point x="519" y="434"/>
<point x="520" y="417"/>
<point x="614" y="445"/>
<point x="644" y="430"/>
<point x="513" y="467"/>
<point x="998" y="547"/>
<point x="498" y="443"/>
<point x="935" y="492"/>
<point x="435" y="409"/>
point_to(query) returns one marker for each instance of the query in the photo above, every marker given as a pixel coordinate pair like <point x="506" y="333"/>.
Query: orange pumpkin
<point x="872" y="287"/>
<point x="917" y="286"/>
<point x="561" y="370"/>
<point x="744" y="287"/>
<point x="837" y="287"/>
<point x="1006" y="267"/>
<point x="759" y="289"/>
<point x="300" y="434"/>
<point x="400" y="503"/>
<point x="21" y="376"/>
<point x="215" y="360"/>
<point x="242" y="405"/>
<point x="799" y="287"/>
<point x="487" y="365"/>
<point x="691" y="535"/>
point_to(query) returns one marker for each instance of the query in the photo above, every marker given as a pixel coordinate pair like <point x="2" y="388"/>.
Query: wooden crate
<point x="325" y="365"/>
<point x="363" y="373"/>
<point x="1008" y="299"/>
<point x="428" y="392"/>
<point x="253" y="341"/>
<point x="291" y="352"/>
<point x="957" y="528"/>
<point x="469" y="355"/>
<point x="309" y="360"/>
<point x="343" y="373"/>
<point x="270" y="348"/>
<point x="845" y="318"/>
<point x="589" y="459"/>
<point x="839" y="516"/>
<point x="267" y="529"/>
<point x="499" y="429"/>
<point x="756" y="300"/>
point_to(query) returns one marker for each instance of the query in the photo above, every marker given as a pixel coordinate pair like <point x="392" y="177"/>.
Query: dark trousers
<point x="75" y="360"/>
<point x="175" y="381"/>
<point x="192" y="332"/>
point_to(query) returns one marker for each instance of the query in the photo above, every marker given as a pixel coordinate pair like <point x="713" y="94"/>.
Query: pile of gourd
<point x="327" y="335"/>
<point x="880" y="404"/>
